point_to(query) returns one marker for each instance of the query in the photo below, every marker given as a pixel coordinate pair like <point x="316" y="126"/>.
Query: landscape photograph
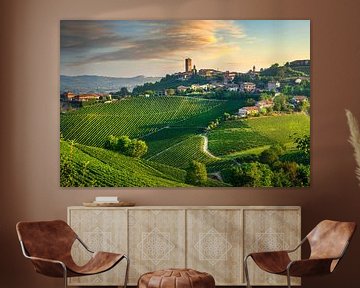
<point x="185" y="103"/>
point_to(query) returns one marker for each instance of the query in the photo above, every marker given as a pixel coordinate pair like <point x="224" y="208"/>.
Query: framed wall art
<point x="212" y="103"/>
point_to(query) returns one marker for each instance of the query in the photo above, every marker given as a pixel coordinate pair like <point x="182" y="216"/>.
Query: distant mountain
<point x="101" y="84"/>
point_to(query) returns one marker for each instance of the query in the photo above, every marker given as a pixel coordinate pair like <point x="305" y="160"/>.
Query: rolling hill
<point x="253" y="135"/>
<point x="140" y="117"/>
<point x="101" y="84"/>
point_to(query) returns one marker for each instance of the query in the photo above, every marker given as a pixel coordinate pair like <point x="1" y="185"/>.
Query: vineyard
<point x="136" y="117"/>
<point x="257" y="133"/>
<point x="174" y="129"/>
<point x="181" y="153"/>
<point x="109" y="169"/>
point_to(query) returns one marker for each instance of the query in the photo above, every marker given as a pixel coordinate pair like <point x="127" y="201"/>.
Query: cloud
<point x="85" y="35"/>
<point x="100" y="41"/>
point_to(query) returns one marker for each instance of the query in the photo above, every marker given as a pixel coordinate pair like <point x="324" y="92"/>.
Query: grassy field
<point x="257" y="134"/>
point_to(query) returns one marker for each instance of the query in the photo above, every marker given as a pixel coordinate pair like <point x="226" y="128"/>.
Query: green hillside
<point x="136" y="117"/>
<point x="258" y="132"/>
<point x="304" y="69"/>
<point x="280" y="72"/>
<point x="90" y="166"/>
<point x="180" y="154"/>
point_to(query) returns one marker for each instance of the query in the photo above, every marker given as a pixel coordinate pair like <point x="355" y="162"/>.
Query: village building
<point x="232" y="87"/>
<point x="247" y="87"/>
<point x="86" y="97"/>
<point x="265" y="104"/>
<point x="298" y="99"/>
<point x="68" y="96"/>
<point x="182" y="88"/>
<point x="160" y="93"/>
<point x="208" y="72"/>
<point x="248" y="111"/>
<point x="229" y="76"/>
<point x="273" y="85"/>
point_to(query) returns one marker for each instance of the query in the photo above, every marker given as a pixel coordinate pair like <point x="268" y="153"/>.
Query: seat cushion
<point x="176" y="278"/>
<point x="272" y="262"/>
<point x="99" y="262"/>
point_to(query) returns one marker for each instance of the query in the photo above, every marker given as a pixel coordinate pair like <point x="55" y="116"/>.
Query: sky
<point x="156" y="48"/>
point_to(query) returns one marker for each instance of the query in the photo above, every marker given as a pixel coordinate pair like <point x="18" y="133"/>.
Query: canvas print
<point x="185" y="103"/>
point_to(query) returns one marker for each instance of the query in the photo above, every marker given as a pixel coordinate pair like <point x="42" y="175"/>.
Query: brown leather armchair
<point x="48" y="245"/>
<point x="328" y="242"/>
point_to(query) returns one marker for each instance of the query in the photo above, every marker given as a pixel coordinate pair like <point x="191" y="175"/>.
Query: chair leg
<point x="246" y="270"/>
<point x="288" y="278"/>
<point x="65" y="276"/>
<point x="127" y="271"/>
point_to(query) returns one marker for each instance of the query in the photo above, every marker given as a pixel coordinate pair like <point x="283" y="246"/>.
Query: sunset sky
<point x="156" y="48"/>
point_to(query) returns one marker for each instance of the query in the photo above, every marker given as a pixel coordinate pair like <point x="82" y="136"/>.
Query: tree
<point x="269" y="156"/>
<point x="303" y="175"/>
<point x="265" y="96"/>
<point x="280" y="103"/>
<point x="303" y="106"/>
<point x="250" y="102"/>
<point x="111" y="142"/>
<point x="226" y="116"/>
<point x="303" y="144"/>
<point x="170" y="92"/>
<point x="252" y="174"/>
<point x="137" y="148"/>
<point x="124" y="92"/>
<point x="124" y="145"/>
<point x="196" y="173"/>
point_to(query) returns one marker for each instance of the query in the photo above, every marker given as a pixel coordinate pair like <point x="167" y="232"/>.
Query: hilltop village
<point x="279" y="88"/>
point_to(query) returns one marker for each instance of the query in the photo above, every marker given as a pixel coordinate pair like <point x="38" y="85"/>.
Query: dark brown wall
<point x="29" y="113"/>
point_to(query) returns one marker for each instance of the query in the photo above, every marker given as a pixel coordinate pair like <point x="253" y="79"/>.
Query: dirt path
<point x="205" y="147"/>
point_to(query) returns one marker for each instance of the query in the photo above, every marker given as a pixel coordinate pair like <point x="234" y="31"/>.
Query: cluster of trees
<point x="300" y="89"/>
<point x="196" y="173"/>
<point x="126" y="146"/>
<point x="274" y="72"/>
<point x="257" y="174"/>
<point x="123" y="92"/>
<point x="168" y="82"/>
<point x="226" y="117"/>
<point x="282" y="104"/>
<point x="277" y="72"/>
<point x="268" y="169"/>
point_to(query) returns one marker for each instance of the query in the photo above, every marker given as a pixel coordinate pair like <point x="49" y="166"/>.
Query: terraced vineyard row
<point x="180" y="154"/>
<point x="121" y="162"/>
<point x="109" y="169"/>
<point x="165" y="138"/>
<point x="134" y="117"/>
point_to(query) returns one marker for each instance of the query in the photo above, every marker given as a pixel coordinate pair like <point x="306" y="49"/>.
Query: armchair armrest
<point x="49" y="267"/>
<point x="83" y="244"/>
<point x="298" y="246"/>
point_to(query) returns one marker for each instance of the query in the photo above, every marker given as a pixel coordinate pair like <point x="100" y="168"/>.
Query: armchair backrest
<point x="329" y="239"/>
<point x="46" y="239"/>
